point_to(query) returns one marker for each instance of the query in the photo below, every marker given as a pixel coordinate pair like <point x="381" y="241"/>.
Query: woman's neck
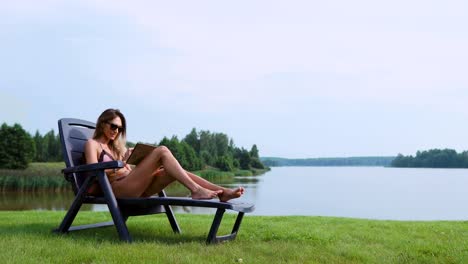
<point x="103" y="140"/>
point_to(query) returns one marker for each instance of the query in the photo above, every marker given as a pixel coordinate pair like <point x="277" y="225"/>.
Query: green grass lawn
<point x="26" y="237"/>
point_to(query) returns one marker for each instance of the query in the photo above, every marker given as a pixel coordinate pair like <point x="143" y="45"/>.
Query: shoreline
<point x="47" y="176"/>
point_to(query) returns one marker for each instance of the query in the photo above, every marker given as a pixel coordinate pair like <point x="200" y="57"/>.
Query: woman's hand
<point x="122" y="171"/>
<point x="127" y="154"/>
<point x="118" y="172"/>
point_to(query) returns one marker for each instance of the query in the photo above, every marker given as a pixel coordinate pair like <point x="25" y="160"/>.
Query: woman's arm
<point x="91" y="152"/>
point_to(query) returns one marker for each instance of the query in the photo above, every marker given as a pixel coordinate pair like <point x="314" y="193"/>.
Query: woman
<point x="153" y="173"/>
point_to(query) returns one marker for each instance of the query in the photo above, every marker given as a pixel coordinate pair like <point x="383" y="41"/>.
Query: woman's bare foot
<point x="228" y="194"/>
<point x="204" y="194"/>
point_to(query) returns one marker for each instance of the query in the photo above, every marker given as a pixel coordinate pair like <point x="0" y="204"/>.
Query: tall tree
<point x="193" y="161"/>
<point x="243" y="156"/>
<point x="208" y="149"/>
<point x="254" y="151"/>
<point x="225" y="163"/>
<point x="193" y="140"/>
<point x="53" y="146"/>
<point x="39" y="147"/>
<point x="17" y="147"/>
<point x="221" y="142"/>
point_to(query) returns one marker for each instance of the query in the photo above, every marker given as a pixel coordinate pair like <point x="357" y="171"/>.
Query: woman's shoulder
<point x="91" y="143"/>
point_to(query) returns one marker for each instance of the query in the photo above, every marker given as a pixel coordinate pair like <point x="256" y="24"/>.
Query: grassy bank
<point x="27" y="237"/>
<point x="47" y="176"/>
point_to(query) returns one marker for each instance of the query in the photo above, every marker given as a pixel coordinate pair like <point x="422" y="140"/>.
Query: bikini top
<point x="105" y="156"/>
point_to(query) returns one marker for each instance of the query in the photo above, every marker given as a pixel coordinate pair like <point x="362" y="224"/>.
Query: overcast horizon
<point x="299" y="79"/>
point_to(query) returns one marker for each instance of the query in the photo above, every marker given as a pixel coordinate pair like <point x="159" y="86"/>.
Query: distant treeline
<point x="196" y="151"/>
<point x="433" y="158"/>
<point x="350" y="161"/>
<point x="200" y="149"/>
<point x="48" y="147"/>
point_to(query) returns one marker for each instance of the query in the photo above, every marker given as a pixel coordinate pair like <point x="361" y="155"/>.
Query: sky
<point x="300" y="79"/>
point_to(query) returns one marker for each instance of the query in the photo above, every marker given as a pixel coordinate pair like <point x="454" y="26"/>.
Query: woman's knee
<point x="162" y="151"/>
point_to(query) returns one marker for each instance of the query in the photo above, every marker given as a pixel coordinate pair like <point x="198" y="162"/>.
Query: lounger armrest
<point x="94" y="167"/>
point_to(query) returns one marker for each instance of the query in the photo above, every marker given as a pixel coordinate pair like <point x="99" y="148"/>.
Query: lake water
<point x="358" y="192"/>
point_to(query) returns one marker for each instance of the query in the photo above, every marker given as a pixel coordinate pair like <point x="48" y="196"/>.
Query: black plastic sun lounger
<point x="73" y="135"/>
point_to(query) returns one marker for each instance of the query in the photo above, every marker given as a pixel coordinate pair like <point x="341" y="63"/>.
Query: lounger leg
<point x="70" y="216"/>
<point x="238" y="222"/>
<point x="213" y="238"/>
<point x="119" y="220"/>
<point x="172" y="219"/>
<point x="215" y="226"/>
<point x="74" y="208"/>
<point x="170" y="214"/>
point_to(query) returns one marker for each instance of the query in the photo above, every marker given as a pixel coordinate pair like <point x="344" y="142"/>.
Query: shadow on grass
<point x="144" y="233"/>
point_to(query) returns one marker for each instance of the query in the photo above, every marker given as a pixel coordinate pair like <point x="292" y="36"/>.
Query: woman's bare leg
<point x="138" y="181"/>
<point x="226" y="195"/>
<point x="162" y="180"/>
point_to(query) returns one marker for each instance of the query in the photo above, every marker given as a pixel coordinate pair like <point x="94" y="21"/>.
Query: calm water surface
<point x="365" y="192"/>
<point x="359" y="192"/>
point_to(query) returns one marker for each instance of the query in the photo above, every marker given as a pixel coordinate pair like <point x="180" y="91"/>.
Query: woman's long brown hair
<point x="118" y="145"/>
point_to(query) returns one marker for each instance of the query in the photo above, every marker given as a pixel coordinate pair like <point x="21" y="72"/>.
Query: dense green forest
<point x="351" y="161"/>
<point x="195" y="151"/>
<point x="433" y="158"/>
<point x="17" y="148"/>
<point x="199" y="149"/>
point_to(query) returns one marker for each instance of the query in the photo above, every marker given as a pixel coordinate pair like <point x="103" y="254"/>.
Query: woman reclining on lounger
<point x="153" y="173"/>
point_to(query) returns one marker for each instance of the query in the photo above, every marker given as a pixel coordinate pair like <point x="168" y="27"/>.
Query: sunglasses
<point x="114" y="127"/>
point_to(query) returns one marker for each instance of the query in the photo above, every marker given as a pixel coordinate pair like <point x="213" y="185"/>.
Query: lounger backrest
<point x="73" y="135"/>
